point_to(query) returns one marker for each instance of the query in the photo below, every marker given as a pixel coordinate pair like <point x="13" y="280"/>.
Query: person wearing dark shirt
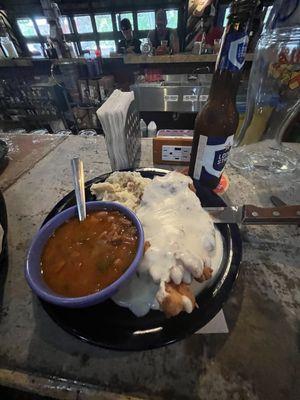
<point x="129" y="44"/>
<point x="164" y="40"/>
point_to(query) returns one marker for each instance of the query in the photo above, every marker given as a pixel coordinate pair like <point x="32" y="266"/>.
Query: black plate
<point x="3" y="222"/>
<point x="3" y="155"/>
<point x="108" y="325"/>
<point x="3" y="249"/>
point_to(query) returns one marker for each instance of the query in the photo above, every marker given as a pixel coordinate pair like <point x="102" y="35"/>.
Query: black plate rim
<point x="222" y="295"/>
<point x="3" y="221"/>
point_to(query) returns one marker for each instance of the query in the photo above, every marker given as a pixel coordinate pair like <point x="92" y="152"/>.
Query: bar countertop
<point x="257" y="360"/>
<point x="127" y="59"/>
<point x="175" y="58"/>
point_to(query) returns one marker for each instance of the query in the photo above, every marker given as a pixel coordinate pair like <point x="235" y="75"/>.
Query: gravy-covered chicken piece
<point x="181" y="243"/>
<point x="182" y="238"/>
<point x="176" y="298"/>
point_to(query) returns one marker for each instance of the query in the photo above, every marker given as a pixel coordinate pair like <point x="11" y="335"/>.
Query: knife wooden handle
<point x="286" y="215"/>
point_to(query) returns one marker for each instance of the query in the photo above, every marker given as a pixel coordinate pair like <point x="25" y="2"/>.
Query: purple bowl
<point x="33" y="268"/>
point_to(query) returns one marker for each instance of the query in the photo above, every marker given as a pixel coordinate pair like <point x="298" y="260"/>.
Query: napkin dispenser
<point x="132" y="134"/>
<point x="120" y="122"/>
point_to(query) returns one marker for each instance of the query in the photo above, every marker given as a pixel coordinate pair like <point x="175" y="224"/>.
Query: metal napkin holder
<point x="132" y="134"/>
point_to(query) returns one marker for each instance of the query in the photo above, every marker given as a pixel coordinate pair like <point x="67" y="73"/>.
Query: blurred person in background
<point x="129" y="44"/>
<point x="164" y="40"/>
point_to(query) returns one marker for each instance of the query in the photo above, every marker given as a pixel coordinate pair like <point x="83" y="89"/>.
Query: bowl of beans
<point x="79" y="264"/>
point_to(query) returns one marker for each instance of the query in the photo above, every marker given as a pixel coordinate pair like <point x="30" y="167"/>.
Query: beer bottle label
<point x="212" y="154"/>
<point x="232" y="57"/>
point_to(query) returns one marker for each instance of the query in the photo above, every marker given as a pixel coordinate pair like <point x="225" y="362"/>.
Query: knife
<point x="252" y="215"/>
<point x="279" y="203"/>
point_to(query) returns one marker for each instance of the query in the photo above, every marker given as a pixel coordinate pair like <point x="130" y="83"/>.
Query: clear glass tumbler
<point x="273" y="97"/>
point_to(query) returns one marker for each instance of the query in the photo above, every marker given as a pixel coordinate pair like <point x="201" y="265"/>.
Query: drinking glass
<point x="273" y="97"/>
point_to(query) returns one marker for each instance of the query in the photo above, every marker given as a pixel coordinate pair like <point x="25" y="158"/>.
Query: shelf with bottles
<point x="29" y="62"/>
<point x="16" y="62"/>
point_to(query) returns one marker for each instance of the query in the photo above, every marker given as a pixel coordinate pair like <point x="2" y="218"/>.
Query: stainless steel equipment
<point x="182" y="93"/>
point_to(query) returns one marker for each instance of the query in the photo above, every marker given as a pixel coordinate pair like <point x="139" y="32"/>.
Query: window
<point x="227" y="12"/>
<point x="36" y="50"/>
<point x="104" y="23"/>
<point x="107" y="46"/>
<point x="172" y="17"/>
<point x="26" y="27"/>
<point x="65" y="25"/>
<point x="83" y="23"/>
<point x="43" y="26"/>
<point x="146" y="20"/>
<point x="123" y="15"/>
<point x="88" y="45"/>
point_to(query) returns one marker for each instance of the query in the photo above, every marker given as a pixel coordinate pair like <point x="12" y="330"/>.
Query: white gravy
<point x="182" y="241"/>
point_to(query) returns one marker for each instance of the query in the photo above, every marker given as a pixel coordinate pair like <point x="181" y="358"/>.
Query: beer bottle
<point x="216" y="123"/>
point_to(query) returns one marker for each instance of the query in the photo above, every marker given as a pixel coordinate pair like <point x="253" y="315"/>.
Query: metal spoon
<point x="78" y="182"/>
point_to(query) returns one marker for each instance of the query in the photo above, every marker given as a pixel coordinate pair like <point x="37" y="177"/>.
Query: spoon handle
<point x="78" y="181"/>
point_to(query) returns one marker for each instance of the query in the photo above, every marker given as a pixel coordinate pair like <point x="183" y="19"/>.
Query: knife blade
<point x="252" y="215"/>
<point x="229" y="215"/>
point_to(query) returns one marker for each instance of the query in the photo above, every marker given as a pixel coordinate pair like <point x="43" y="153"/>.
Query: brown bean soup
<point x="81" y="258"/>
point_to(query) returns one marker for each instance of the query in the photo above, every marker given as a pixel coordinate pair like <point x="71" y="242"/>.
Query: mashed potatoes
<point x="123" y="187"/>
